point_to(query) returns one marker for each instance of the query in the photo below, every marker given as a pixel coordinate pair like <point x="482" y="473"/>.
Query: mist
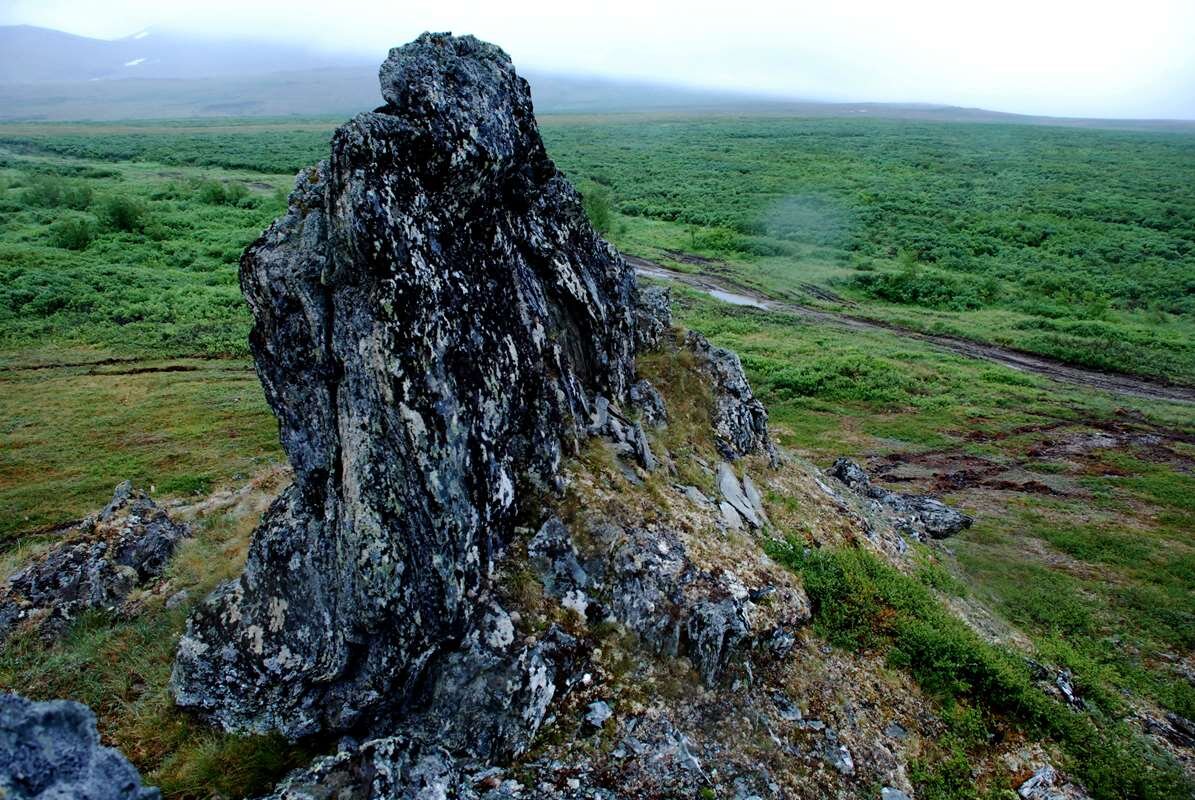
<point x="1126" y="60"/>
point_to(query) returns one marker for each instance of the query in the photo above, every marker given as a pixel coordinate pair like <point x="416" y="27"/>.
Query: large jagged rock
<point x="51" y="751"/>
<point x="126" y="546"/>
<point x="432" y="319"/>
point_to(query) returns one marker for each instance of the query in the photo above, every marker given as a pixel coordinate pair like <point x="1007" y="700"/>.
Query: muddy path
<point x="735" y="294"/>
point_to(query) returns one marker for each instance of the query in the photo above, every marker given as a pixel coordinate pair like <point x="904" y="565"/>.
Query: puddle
<point x="736" y="299"/>
<point x="733" y="298"/>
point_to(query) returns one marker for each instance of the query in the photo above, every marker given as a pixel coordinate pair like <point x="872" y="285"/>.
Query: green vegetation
<point x="146" y="265"/>
<point x="861" y="602"/>
<point x="1077" y="244"/>
<point x="123" y="355"/>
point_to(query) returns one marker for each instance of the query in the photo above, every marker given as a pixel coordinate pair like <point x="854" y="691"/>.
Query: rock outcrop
<point x="740" y="420"/>
<point x="52" y="751"/>
<point x="126" y="546"/>
<point x="432" y="320"/>
<point x="914" y="514"/>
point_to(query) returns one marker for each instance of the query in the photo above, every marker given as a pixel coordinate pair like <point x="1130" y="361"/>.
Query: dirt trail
<point x="729" y="292"/>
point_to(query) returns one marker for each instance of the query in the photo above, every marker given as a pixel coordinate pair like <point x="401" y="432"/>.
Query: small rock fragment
<point x="51" y="751"/>
<point x="599" y="711"/>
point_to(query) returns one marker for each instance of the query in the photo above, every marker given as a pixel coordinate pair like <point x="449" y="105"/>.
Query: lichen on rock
<point x="740" y="419"/>
<point x="52" y="751"/>
<point x="432" y="319"/>
<point x="124" y="547"/>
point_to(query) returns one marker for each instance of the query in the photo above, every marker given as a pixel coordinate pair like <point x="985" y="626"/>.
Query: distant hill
<point x="33" y="55"/>
<point x="48" y="75"/>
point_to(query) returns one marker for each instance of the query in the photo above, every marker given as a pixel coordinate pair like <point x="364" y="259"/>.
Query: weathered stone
<point x="126" y="546"/>
<point x="655" y="590"/>
<point x="743" y="496"/>
<point x="431" y="320"/>
<point x="598" y="712"/>
<point x="1047" y="784"/>
<point x="650" y="403"/>
<point x="840" y="758"/>
<point x="51" y="751"/>
<point x="917" y="514"/>
<point x="653" y="317"/>
<point x="552" y="553"/>
<point x="740" y="421"/>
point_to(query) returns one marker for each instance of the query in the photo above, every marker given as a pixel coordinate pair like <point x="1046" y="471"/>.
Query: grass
<point x="119" y="244"/>
<point x="71" y="434"/>
<point x="121" y="669"/>
<point x="863" y="603"/>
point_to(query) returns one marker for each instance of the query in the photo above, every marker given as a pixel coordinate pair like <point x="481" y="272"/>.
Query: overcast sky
<point x="1061" y="57"/>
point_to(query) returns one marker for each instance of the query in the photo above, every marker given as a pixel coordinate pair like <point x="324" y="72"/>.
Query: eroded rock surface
<point x="432" y="319"/>
<point x="52" y="751"/>
<point x="126" y="546"/>
<point x="740" y="419"/>
<point x="653" y="317"/>
<point x="916" y="514"/>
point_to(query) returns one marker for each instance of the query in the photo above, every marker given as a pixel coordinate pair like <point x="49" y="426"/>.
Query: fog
<point x="1091" y="58"/>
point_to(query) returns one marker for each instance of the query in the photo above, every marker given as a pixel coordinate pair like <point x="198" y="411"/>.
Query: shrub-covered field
<point x="1073" y="243"/>
<point x="123" y="355"/>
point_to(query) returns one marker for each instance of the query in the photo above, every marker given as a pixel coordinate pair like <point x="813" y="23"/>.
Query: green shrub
<point x="860" y="602"/>
<point x="122" y="213"/>
<point x="50" y="191"/>
<point x="596" y="200"/>
<point x="72" y="233"/>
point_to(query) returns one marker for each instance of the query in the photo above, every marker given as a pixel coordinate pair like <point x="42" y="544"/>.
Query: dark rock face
<point x="126" y="546"/>
<point x="648" y="583"/>
<point x="51" y="751"/>
<point x="432" y="319"/>
<point x="653" y="317"/>
<point x="650" y="403"/>
<point x="740" y="420"/>
<point x="914" y="513"/>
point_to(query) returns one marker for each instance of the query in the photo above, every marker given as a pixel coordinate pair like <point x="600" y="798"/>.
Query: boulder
<point x="650" y="403"/>
<point x="432" y="318"/>
<point x="126" y="546"/>
<point x="51" y="751"/>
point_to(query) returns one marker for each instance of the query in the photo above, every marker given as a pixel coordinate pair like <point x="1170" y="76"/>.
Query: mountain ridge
<point x="53" y="76"/>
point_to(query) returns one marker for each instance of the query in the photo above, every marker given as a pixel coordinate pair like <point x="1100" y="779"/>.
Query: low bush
<point x="217" y="193"/>
<point x="862" y="603"/>
<point x="72" y="233"/>
<point x="52" y="192"/>
<point x="598" y="205"/>
<point x="122" y="213"/>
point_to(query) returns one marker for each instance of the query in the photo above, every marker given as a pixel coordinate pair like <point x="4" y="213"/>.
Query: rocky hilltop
<point x="522" y="499"/>
<point x="523" y="554"/>
<point x="434" y="318"/>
